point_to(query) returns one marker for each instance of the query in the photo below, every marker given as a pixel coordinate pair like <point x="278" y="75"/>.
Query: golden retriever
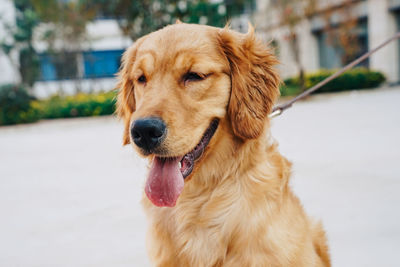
<point x="195" y="101"/>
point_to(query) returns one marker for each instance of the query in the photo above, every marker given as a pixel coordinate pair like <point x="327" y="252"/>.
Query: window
<point x="331" y="52"/>
<point x="73" y="65"/>
<point x="58" y="66"/>
<point x="329" y="55"/>
<point x="99" y="64"/>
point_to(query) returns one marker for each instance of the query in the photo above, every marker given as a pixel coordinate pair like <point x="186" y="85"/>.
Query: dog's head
<point x="178" y="84"/>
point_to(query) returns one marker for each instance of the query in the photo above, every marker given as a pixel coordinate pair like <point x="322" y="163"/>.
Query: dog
<point x="195" y="101"/>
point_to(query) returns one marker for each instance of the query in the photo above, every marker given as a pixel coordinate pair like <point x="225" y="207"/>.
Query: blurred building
<point x="92" y="65"/>
<point x="89" y="67"/>
<point x="375" y="21"/>
<point x="84" y="66"/>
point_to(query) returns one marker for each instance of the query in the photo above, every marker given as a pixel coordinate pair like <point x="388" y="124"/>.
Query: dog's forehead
<point x="178" y="38"/>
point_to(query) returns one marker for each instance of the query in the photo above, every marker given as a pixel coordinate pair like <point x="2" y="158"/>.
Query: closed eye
<point x="193" y="76"/>
<point x="142" y="79"/>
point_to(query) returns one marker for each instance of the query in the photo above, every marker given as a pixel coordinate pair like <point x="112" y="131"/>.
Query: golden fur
<point x="236" y="208"/>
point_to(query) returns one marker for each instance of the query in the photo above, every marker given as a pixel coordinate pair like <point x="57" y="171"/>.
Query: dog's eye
<point x="192" y="76"/>
<point x="142" y="79"/>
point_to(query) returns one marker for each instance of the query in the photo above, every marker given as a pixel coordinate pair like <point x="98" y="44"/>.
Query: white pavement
<point x="69" y="193"/>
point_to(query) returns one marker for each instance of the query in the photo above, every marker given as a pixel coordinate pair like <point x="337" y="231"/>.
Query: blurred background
<point x="57" y="48"/>
<point x="70" y="194"/>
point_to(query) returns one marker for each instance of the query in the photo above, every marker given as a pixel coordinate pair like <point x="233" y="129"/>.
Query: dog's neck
<point x="232" y="160"/>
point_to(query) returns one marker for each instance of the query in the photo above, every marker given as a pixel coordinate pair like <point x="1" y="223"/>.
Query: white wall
<point x="382" y="26"/>
<point x="106" y="35"/>
<point x="8" y="71"/>
<point x="101" y="35"/>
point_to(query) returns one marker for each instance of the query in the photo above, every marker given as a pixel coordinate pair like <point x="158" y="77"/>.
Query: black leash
<point x="278" y="110"/>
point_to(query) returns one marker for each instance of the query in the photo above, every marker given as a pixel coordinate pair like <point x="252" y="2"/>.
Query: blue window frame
<point x="64" y="65"/>
<point x="58" y="66"/>
<point x="98" y="64"/>
<point x="47" y="69"/>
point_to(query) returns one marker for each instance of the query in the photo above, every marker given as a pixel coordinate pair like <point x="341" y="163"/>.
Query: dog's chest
<point x="200" y="232"/>
<point x="199" y="239"/>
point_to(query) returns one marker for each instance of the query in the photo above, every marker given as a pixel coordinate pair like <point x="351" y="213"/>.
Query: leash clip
<point x="275" y="113"/>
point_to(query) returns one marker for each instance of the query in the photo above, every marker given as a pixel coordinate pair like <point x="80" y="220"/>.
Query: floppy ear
<point x="126" y="99"/>
<point x="255" y="83"/>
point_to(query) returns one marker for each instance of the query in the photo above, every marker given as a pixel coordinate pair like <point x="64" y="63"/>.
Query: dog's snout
<point x="148" y="133"/>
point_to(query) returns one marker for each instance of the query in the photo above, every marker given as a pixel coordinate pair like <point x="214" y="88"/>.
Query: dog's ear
<point x="255" y="82"/>
<point x="126" y="99"/>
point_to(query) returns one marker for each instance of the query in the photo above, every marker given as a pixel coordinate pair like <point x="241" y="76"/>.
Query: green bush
<point x="80" y="105"/>
<point x="358" y="78"/>
<point x="16" y="105"/>
<point x="288" y="90"/>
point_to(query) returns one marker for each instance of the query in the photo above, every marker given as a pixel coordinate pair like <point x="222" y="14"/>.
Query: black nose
<point x="148" y="133"/>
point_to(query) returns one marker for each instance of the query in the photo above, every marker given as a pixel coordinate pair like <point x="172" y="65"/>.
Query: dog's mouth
<point x="188" y="161"/>
<point x="166" y="176"/>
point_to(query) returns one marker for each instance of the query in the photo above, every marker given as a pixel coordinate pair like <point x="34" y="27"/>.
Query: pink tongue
<point x="165" y="182"/>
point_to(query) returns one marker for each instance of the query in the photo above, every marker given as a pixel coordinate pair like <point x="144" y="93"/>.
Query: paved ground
<point x="69" y="193"/>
